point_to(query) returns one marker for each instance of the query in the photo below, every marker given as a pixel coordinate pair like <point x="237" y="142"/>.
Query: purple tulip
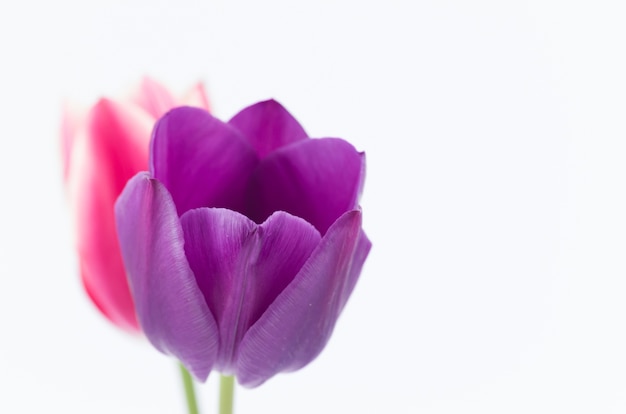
<point x="243" y="242"/>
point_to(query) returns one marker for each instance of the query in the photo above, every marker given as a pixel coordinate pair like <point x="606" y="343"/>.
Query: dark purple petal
<point x="171" y="309"/>
<point x="317" y="180"/>
<point x="297" y="325"/>
<point x="268" y="126"/>
<point x="242" y="267"/>
<point x="202" y="161"/>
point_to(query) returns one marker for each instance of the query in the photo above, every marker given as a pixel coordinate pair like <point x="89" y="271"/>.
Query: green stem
<point x="227" y="388"/>
<point x="192" y="405"/>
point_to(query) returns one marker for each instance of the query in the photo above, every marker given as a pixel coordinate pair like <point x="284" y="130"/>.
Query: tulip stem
<point x="190" y="393"/>
<point x="227" y="388"/>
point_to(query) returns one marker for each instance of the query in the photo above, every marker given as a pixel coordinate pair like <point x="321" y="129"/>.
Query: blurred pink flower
<point x="101" y="149"/>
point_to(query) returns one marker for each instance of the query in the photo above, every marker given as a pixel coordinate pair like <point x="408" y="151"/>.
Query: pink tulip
<point x="101" y="150"/>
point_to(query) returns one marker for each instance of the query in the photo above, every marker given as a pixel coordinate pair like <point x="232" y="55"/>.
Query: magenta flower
<point x="243" y="242"/>
<point x="102" y="149"/>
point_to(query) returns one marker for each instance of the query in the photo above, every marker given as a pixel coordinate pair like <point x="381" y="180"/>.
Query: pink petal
<point x="154" y="98"/>
<point x="197" y="97"/>
<point x="72" y="120"/>
<point x="111" y="148"/>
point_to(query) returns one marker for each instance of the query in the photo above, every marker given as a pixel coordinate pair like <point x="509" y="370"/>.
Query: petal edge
<point x="170" y="307"/>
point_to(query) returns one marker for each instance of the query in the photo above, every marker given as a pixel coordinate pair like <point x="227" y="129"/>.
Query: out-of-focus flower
<point x="101" y="149"/>
<point x="243" y="242"/>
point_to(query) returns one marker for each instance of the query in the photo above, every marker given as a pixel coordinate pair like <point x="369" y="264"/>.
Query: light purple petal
<point x="215" y="245"/>
<point x="317" y="180"/>
<point x="202" y="161"/>
<point x="241" y="267"/>
<point x="268" y="126"/>
<point x="171" y="309"/>
<point x="358" y="260"/>
<point x="297" y="325"/>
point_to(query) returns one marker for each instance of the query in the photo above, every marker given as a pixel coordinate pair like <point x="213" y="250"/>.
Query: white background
<point x="494" y="198"/>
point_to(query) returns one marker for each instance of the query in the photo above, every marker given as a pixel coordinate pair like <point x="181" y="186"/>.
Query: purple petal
<point x="358" y="260"/>
<point x="171" y="309"/>
<point x="268" y="126"/>
<point x="317" y="180"/>
<point x="297" y="325"/>
<point x="242" y="267"/>
<point x="202" y="161"/>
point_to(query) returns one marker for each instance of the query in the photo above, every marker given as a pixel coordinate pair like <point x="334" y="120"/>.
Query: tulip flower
<point x="101" y="150"/>
<point x="243" y="241"/>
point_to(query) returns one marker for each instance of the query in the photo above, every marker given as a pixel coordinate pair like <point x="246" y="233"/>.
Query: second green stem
<point x="227" y="388"/>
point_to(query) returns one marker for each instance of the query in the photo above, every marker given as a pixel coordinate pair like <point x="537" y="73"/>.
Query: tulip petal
<point x="202" y="161"/>
<point x="361" y="252"/>
<point x="120" y="136"/>
<point x="197" y="97"/>
<point x="154" y="98"/>
<point x="71" y="122"/>
<point x="268" y="126"/>
<point x="297" y="325"/>
<point x="110" y="148"/>
<point x="171" y="308"/>
<point x="317" y="179"/>
<point x="215" y="246"/>
<point x="242" y="267"/>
